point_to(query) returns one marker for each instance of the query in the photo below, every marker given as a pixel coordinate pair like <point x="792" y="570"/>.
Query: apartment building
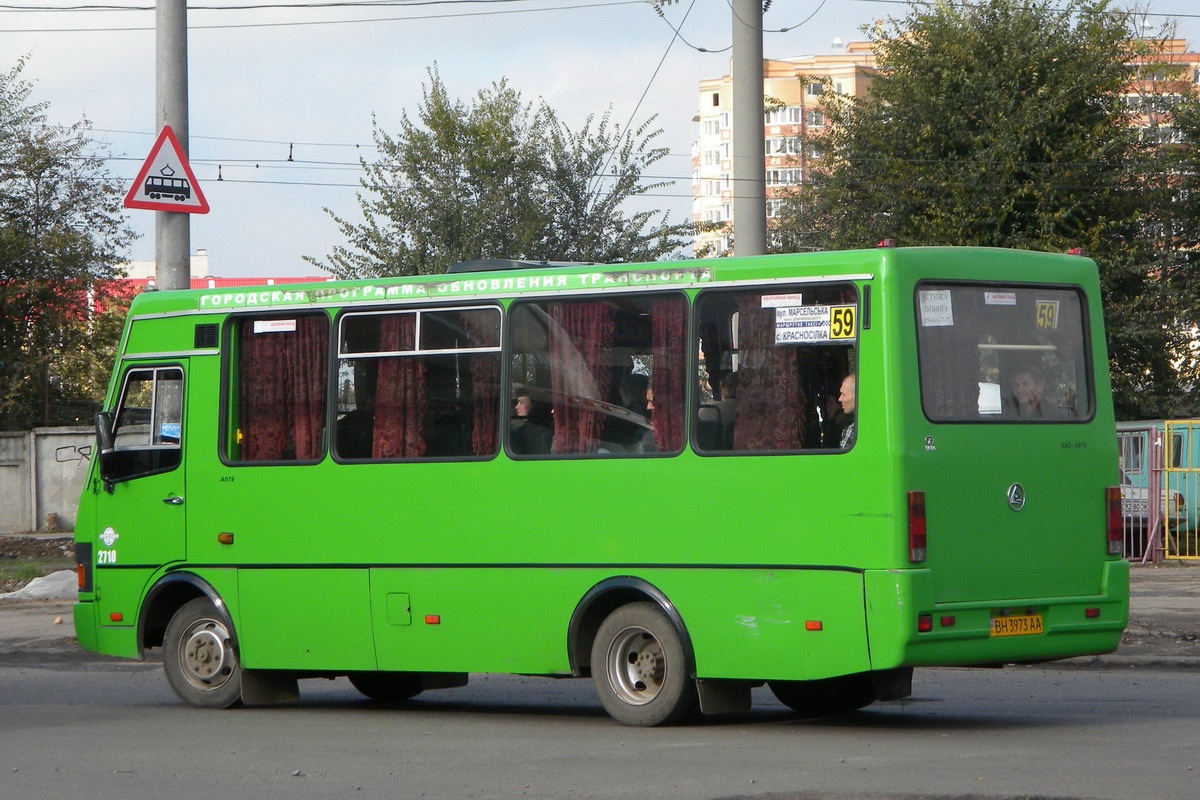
<point x="1160" y="74"/>
<point x="793" y="129"/>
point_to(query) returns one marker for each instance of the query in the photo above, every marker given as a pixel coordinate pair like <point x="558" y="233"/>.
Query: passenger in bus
<point x="645" y="441"/>
<point x="633" y="432"/>
<point x="1027" y="389"/>
<point x="530" y="431"/>
<point x="848" y="399"/>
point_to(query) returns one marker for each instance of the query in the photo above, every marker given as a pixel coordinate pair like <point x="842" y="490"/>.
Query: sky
<point x="281" y="111"/>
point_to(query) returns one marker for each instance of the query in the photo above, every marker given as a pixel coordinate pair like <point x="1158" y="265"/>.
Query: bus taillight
<point x="916" y="527"/>
<point x="1115" y="522"/>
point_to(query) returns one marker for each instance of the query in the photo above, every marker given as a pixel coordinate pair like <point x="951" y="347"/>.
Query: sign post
<point x="172" y="230"/>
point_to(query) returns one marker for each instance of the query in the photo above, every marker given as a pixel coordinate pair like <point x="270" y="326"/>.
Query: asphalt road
<point x="115" y="731"/>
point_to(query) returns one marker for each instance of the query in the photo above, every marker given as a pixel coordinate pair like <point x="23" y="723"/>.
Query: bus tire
<point x="639" y="668"/>
<point x="387" y="687"/>
<point x="828" y="696"/>
<point x="199" y="657"/>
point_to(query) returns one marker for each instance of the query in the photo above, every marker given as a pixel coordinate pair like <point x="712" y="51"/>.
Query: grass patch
<point x="25" y="571"/>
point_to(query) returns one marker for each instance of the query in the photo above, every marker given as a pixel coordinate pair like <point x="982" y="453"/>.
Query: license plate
<point x="1131" y="507"/>
<point x="1024" y="625"/>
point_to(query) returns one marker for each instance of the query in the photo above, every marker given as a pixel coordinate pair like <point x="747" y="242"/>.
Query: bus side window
<point x="609" y="371"/>
<point x="422" y="383"/>
<point x="277" y="407"/>
<point x="772" y="365"/>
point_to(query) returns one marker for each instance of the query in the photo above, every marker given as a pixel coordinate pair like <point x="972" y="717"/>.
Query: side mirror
<point x="104" y="435"/>
<point x="104" y="431"/>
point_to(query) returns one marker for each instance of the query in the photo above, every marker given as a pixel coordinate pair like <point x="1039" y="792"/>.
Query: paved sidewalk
<point x="1164" y="619"/>
<point x="1163" y="633"/>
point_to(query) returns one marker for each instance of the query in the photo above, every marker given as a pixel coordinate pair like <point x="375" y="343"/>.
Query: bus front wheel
<point x="826" y="697"/>
<point x="199" y="658"/>
<point x="638" y="667"/>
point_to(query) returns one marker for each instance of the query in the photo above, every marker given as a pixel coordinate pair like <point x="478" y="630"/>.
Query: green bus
<point x="683" y="480"/>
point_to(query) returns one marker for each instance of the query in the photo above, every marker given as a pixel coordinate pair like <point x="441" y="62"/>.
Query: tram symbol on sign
<point x="165" y="184"/>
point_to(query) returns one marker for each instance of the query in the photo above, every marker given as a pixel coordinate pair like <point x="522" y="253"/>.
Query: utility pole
<point x="172" y="230"/>
<point x="749" y="178"/>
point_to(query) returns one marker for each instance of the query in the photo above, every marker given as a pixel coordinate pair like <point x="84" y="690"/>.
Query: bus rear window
<point x="1002" y="353"/>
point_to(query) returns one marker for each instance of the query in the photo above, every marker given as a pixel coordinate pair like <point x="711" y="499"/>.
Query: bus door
<point x="140" y="495"/>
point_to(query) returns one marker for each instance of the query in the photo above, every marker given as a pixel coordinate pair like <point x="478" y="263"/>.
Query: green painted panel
<point x="302" y="619"/>
<point x="120" y="592"/>
<point x="755" y="623"/>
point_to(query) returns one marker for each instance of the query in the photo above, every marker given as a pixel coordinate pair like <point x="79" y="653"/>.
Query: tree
<point x="1002" y="123"/>
<point x="501" y="178"/>
<point x="61" y="236"/>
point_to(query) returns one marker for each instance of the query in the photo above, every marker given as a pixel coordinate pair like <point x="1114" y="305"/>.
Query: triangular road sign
<point x="166" y="182"/>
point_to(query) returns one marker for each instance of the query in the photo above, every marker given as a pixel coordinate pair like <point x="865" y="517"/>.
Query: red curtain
<point x="483" y="328"/>
<point x="770" y="404"/>
<point x="580" y="344"/>
<point x="282" y="388"/>
<point x="263" y="395"/>
<point x="399" y="393"/>
<point x="485" y="403"/>
<point x="669" y="347"/>
<point x="308" y="362"/>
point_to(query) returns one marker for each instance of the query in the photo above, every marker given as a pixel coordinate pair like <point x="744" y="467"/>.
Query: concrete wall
<point x="42" y="473"/>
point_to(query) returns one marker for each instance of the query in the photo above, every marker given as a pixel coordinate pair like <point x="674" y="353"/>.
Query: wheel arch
<point x="604" y="598"/>
<point x="168" y="594"/>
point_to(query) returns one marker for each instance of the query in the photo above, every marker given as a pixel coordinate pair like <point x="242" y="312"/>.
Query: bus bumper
<point x="907" y="628"/>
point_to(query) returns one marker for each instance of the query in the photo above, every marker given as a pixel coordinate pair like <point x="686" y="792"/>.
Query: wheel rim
<point x="637" y="666"/>
<point x="206" y="657"/>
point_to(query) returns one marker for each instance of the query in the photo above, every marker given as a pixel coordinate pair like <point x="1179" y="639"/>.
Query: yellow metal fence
<point x="1181" y="489"/>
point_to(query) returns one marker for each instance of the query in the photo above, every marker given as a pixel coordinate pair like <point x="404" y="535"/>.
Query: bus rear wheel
<point x="387" y="687"/>
<point x="199" y="658"/>
<point x="639" y="669"/>
<point x="828" y="696"/>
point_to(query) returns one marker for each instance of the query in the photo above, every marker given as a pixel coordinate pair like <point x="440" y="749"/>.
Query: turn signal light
<point x="916" y="527"/>
<point x="81" y="575"/>
<point x="814" y="625"/>
<point x="433" y="619"/>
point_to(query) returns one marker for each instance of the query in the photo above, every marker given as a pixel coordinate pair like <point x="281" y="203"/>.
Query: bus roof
<point x="951" y="263"/>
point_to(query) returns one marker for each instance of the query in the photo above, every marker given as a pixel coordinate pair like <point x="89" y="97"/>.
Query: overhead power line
<point x="257" y="6"/>
<point x="412" y="18"/>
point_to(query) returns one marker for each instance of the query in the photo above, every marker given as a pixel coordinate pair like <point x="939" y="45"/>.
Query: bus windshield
<point x="1002" y="353"/>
